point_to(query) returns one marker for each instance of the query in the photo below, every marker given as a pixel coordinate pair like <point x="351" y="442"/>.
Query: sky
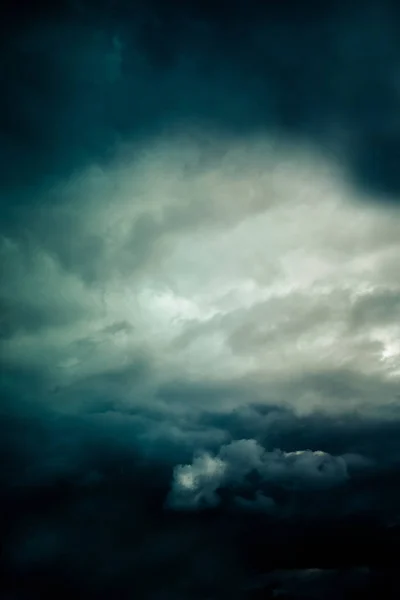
<point x="200" y="299"/>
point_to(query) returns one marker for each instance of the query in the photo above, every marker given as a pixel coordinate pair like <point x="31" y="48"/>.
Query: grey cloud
<point x="380" y="307"/>
<point x="196" y="486"/>
<point x="275" y="305"/>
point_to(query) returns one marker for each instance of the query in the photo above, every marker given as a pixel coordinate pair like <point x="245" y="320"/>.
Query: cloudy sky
<point x="200" y="299"/>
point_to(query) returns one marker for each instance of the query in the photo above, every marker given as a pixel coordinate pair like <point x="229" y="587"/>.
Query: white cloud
<point x="195" y="485"/>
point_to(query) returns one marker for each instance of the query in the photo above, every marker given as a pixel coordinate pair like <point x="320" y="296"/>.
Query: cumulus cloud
<point x="195" y="486"/>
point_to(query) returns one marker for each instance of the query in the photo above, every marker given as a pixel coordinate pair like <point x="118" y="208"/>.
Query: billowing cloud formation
<point x="83" y="507"/>
<point x="196" y="485"/>
<point x="260" y="266"/>
<point x="200" y="299"/>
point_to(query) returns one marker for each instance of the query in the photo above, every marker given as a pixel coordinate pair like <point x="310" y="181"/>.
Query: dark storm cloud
<point x="83" y="509"/>
<point x="85" y="513"/>
<point x="360" y="457"/>
<point x="80" y="78"/>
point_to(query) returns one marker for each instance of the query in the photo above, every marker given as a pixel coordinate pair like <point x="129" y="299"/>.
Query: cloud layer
<point x="200" y="300"/>
<point x="84" y="76"/>
<point x="262" y="267"/>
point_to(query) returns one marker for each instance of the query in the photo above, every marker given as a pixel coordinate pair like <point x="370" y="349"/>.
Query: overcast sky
<point x="200" y="299"/>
